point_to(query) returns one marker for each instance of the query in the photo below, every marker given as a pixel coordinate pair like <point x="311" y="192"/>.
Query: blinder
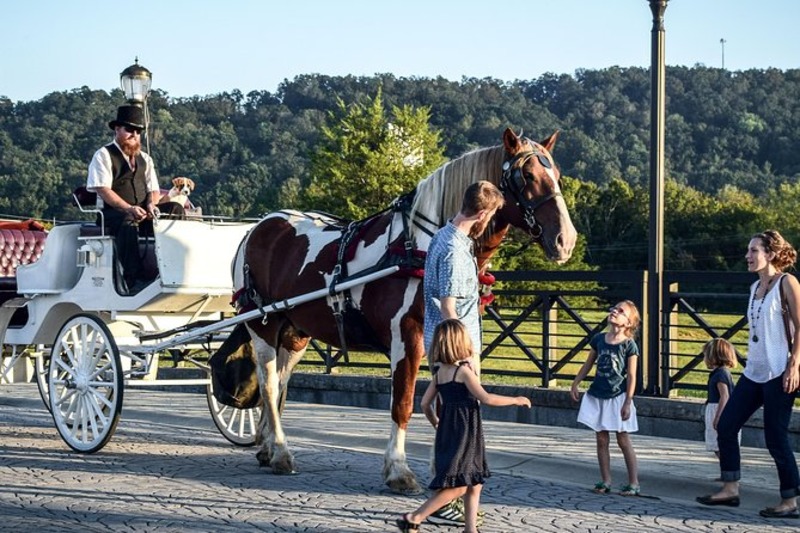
<point x="513" y="181"/>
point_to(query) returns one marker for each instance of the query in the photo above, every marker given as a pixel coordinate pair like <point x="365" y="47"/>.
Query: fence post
<point x="549" y="338"/>
<point x="330" y="362"/>
<point x="649" y="358"/>
<point x="670" y="339"/>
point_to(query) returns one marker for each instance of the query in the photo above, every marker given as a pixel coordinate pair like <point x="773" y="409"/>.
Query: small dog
<point x="180" y="191"/>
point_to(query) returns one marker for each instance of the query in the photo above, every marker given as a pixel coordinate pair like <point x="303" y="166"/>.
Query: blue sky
<point x="202" y="47"/>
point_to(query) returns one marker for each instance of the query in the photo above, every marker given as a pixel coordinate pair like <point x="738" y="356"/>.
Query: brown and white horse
<point x="289" y="253"/>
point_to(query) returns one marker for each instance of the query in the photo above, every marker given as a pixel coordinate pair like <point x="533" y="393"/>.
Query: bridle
<point x="513" y="182"/>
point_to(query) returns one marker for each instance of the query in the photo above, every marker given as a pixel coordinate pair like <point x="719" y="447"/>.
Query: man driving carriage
<point x="124" y="179"/>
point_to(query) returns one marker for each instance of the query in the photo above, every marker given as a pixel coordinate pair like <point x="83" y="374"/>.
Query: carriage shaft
<point x="282" y="305"/>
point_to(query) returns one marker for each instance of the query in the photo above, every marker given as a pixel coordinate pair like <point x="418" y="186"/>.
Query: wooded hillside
<point x="731" y="148"/>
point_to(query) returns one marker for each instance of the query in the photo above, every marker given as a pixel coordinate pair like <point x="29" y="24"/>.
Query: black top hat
<point x="128" y="115"/>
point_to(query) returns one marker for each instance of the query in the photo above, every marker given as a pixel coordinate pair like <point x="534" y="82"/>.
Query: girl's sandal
<point x="629" y="490"/>
<point x="405" y="525"/>
<point x="601" y="488"/>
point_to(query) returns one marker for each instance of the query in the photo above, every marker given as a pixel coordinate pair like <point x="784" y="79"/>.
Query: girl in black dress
<point x="460" y="457"/>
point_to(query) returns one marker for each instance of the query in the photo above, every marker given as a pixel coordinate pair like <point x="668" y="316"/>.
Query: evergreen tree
<point x="367" y="157"/>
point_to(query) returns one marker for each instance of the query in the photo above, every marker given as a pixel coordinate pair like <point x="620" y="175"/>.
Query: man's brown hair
<point x="481" y="195"/>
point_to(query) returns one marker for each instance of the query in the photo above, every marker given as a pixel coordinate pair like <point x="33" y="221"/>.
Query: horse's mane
<point x="439" y="196"/>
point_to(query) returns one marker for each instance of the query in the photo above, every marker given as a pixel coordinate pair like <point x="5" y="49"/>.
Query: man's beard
<point x="131" y="146"/>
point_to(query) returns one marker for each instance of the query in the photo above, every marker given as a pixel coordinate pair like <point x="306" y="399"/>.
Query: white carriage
<point x="89" y="342"/>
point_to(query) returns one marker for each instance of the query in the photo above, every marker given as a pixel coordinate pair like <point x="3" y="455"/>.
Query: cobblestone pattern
<point x="167" y="469"/>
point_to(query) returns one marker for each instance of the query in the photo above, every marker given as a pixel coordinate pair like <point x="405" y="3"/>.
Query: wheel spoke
<point x="99" y="419"/>
<point x="67" y="366"/>
<point x="99" y="370"/>
<point x="66" y="396"/>
<point x="102" y="398"/>
<point x="68" y="348"/>
<point x="251" y="419"/>
<point x="231" y="423"/>
<point x="97" y="350"/>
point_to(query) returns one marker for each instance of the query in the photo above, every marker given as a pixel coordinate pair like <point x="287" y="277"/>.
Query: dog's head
<point x="183" y="185"/>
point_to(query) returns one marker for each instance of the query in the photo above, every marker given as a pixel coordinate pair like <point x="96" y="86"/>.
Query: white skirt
<point x="606" y="414"/>
<point x="711" y="433"/>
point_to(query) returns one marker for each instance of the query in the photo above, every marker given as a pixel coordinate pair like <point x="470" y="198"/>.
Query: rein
<point x="512" y="175"/>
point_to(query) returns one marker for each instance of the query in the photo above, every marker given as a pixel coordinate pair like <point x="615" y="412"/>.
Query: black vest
<point x="130" y="186"/>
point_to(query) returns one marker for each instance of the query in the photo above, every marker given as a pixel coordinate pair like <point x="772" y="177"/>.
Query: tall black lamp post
<point x="136" y="82"/>
<point x="657" y="377"/>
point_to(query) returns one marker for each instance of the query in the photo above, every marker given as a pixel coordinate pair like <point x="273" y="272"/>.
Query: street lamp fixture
<point x="136" y="81"/>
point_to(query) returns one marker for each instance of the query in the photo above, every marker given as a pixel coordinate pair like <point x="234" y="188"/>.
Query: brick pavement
<point x="168" y="469"/>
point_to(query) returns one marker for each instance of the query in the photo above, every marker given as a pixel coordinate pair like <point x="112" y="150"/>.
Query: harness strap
<point x="407" y="242"/>
<point x="513" y="169"/>
<point x="339" y="303"/>
<point x="338" y="314"/>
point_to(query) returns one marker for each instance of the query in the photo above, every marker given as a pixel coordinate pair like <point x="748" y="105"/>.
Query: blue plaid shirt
<point x="451" y="270"/>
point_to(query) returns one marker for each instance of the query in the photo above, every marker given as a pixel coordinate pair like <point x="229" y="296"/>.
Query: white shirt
<point x="100" y="174"/>
<point x="767" y="358"/>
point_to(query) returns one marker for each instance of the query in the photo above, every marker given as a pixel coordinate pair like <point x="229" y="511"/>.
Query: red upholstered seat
<point x="21" y="243"/>
<point x="19" y="247"/>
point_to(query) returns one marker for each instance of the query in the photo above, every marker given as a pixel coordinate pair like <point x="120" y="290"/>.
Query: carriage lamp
<point x="136" y="81"/>
<point x="90" y="253"/>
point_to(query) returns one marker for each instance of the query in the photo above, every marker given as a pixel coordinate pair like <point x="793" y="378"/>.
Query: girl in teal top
<point x="608" y="404"/>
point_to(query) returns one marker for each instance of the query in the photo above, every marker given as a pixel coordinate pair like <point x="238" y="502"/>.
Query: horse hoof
<point x="282" y="469"/>
<point x="405" y="487"/>
<point x="263" y="458"/>
<point x="282" y="463"/>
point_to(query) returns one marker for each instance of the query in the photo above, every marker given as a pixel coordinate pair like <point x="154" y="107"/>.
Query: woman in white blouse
<point x="770" y="379"/>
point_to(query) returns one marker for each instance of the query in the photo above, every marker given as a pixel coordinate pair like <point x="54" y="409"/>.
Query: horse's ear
<point x="550" y="142"/>
<point x="511" y="141"/>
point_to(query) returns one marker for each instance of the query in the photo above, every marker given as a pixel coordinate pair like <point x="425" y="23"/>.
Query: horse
<point x="290" y="253"/>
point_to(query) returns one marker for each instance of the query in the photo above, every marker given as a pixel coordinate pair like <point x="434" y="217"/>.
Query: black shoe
<point x="769" y="512"/>
<point x="731" y="501"/>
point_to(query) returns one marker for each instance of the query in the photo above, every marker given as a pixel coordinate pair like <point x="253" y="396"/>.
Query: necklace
<point x="754" y="318"/>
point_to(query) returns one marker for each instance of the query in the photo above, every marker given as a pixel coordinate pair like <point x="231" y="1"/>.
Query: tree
<point x="365" y="158"/>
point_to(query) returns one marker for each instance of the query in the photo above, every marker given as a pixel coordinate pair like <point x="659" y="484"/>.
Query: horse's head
<point x="530" y="183"/>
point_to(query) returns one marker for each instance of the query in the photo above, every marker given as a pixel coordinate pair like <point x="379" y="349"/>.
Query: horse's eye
<point x="544" y="161"/>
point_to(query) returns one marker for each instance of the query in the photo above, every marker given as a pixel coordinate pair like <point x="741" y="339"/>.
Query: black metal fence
<point x="538" y="329"/>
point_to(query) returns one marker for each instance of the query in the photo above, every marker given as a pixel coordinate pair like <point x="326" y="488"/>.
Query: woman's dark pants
<point x="747" y="397"/>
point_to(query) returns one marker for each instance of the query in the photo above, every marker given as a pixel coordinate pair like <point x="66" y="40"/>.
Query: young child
<point x="608" y="404"/>
<point x="459" y="460"/>
<point x="720" y="355"/>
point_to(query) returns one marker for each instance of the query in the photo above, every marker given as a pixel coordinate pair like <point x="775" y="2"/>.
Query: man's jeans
<point x="747" y="397"/>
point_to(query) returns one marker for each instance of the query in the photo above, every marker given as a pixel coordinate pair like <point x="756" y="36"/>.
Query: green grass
<point x="508" y="364"/>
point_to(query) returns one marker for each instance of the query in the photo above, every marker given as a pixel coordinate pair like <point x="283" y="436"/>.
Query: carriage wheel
<point x="85" y="383"/>
<point x="239" y="426"/>
<point x="41" y="367"/>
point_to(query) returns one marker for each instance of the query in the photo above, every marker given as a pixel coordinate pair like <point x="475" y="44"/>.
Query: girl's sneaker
<point x="453" y="514"/>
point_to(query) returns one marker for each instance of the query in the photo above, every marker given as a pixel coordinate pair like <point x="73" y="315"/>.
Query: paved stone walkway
<point x="168" y="469"/>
